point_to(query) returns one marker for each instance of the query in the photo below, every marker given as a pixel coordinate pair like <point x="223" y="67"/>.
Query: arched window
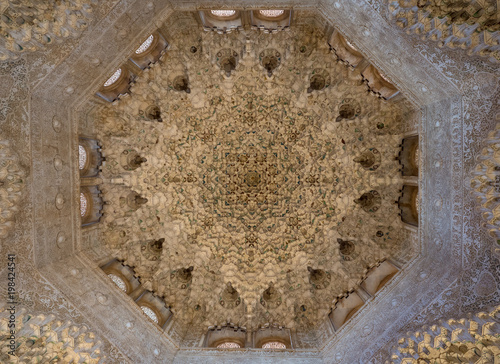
<point x="223" y="13"/>
<point x="350" y="44"/>
<point x="90" y="205"/>
<point x="409" y="156"/>
<point x="118" y="84"/>
<point x="384" y="77"/>
<point x="118" y="281"/>
<point x="123" y="276"/>
<point x="271" y="13"/>
<point x="378" y="84"/>
<point x="89" y="157"/>
<point x="274" y="345"/>
<point x="150" y="51"/>
<point x="83" y="204"/>
<point x="113" y="78"/>
<point x="416" y="156"/>
<point x="408" y="204"/>
<point x="229" y="345"/>
<point x="378" y="276"/>
<point x="82" y="157"/>
<point x="345" y="307"/>
<point x="145" y="45"/>
<point x="270" y="20"/>
<point x="150" y="313"/>
<point x="228" y="336"/>
<point x="345" y="51"/>
<point x="221" y="21"/>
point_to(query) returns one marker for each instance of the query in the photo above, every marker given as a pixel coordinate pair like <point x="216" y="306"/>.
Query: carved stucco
<point x="251" y="179"/>
<point x="458" y="110"/>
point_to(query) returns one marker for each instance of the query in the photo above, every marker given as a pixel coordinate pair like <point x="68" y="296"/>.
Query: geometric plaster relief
<point x="472" y="340"/>
<point x="252" y="178"/>
<point x="486" y="185"/>
<point x="472" y="25"/>
<point x="25" y="26"/>
<point x="12" y="184"/>
<point x="43" y="339"/>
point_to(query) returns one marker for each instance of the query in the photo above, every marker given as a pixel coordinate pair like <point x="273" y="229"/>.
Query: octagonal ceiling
<point x="252" y="179"/>
<point x="63" y="262"/>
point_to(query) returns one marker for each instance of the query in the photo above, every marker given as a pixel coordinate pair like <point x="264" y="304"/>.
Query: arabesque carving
<point x="471" y="24"/>
<point x="258" y="173"/>
<point x="43" y="338"/>
<point x="12" y="184"/>
<point x="471" y="340"/>
<point x="29" y="26"/>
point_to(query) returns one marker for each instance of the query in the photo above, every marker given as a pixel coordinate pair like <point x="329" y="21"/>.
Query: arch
<point x="226" y="334"/>
<point x="228" y="345"/>
<point x="224" y="14"/>
<point x="123" y="273"/>
<point x="120" y="283"/>
<point x="114" y="78"/>
<point x="275" y="344"/>
<point x="89" y="157"/>
<point x="408" y="205"/>
<point x="221" y="20"/>
<point x="84" y="204"/>
<point x="378" y="276"/>
<point x="145" y="45"/>
<point x="378" y="84"/>
<point x="154" y="303"/>
<point x="150" y="312"/>
<point x="271" y="13"/>
<point x="275" y="336"/>
<point x="150" y="51"/>
<point x="345" y="307"/>
<point x="345" y="51"/>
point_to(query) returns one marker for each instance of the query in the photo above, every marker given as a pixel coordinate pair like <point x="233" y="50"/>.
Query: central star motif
<point x="252" y="179"/>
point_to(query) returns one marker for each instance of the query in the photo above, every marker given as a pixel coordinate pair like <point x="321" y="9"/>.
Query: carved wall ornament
<point x="347" y="249"/>
<point x="12" y="184"/>
<point x="184" y="276"/>
<point x="24" y="27"/>
<point x="181" y="84"/>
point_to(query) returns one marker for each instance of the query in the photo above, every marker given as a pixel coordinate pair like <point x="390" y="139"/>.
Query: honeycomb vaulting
<point x="252" y="179"/>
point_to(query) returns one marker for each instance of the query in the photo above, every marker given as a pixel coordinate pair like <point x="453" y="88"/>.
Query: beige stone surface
<point x="50" y="101"/>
